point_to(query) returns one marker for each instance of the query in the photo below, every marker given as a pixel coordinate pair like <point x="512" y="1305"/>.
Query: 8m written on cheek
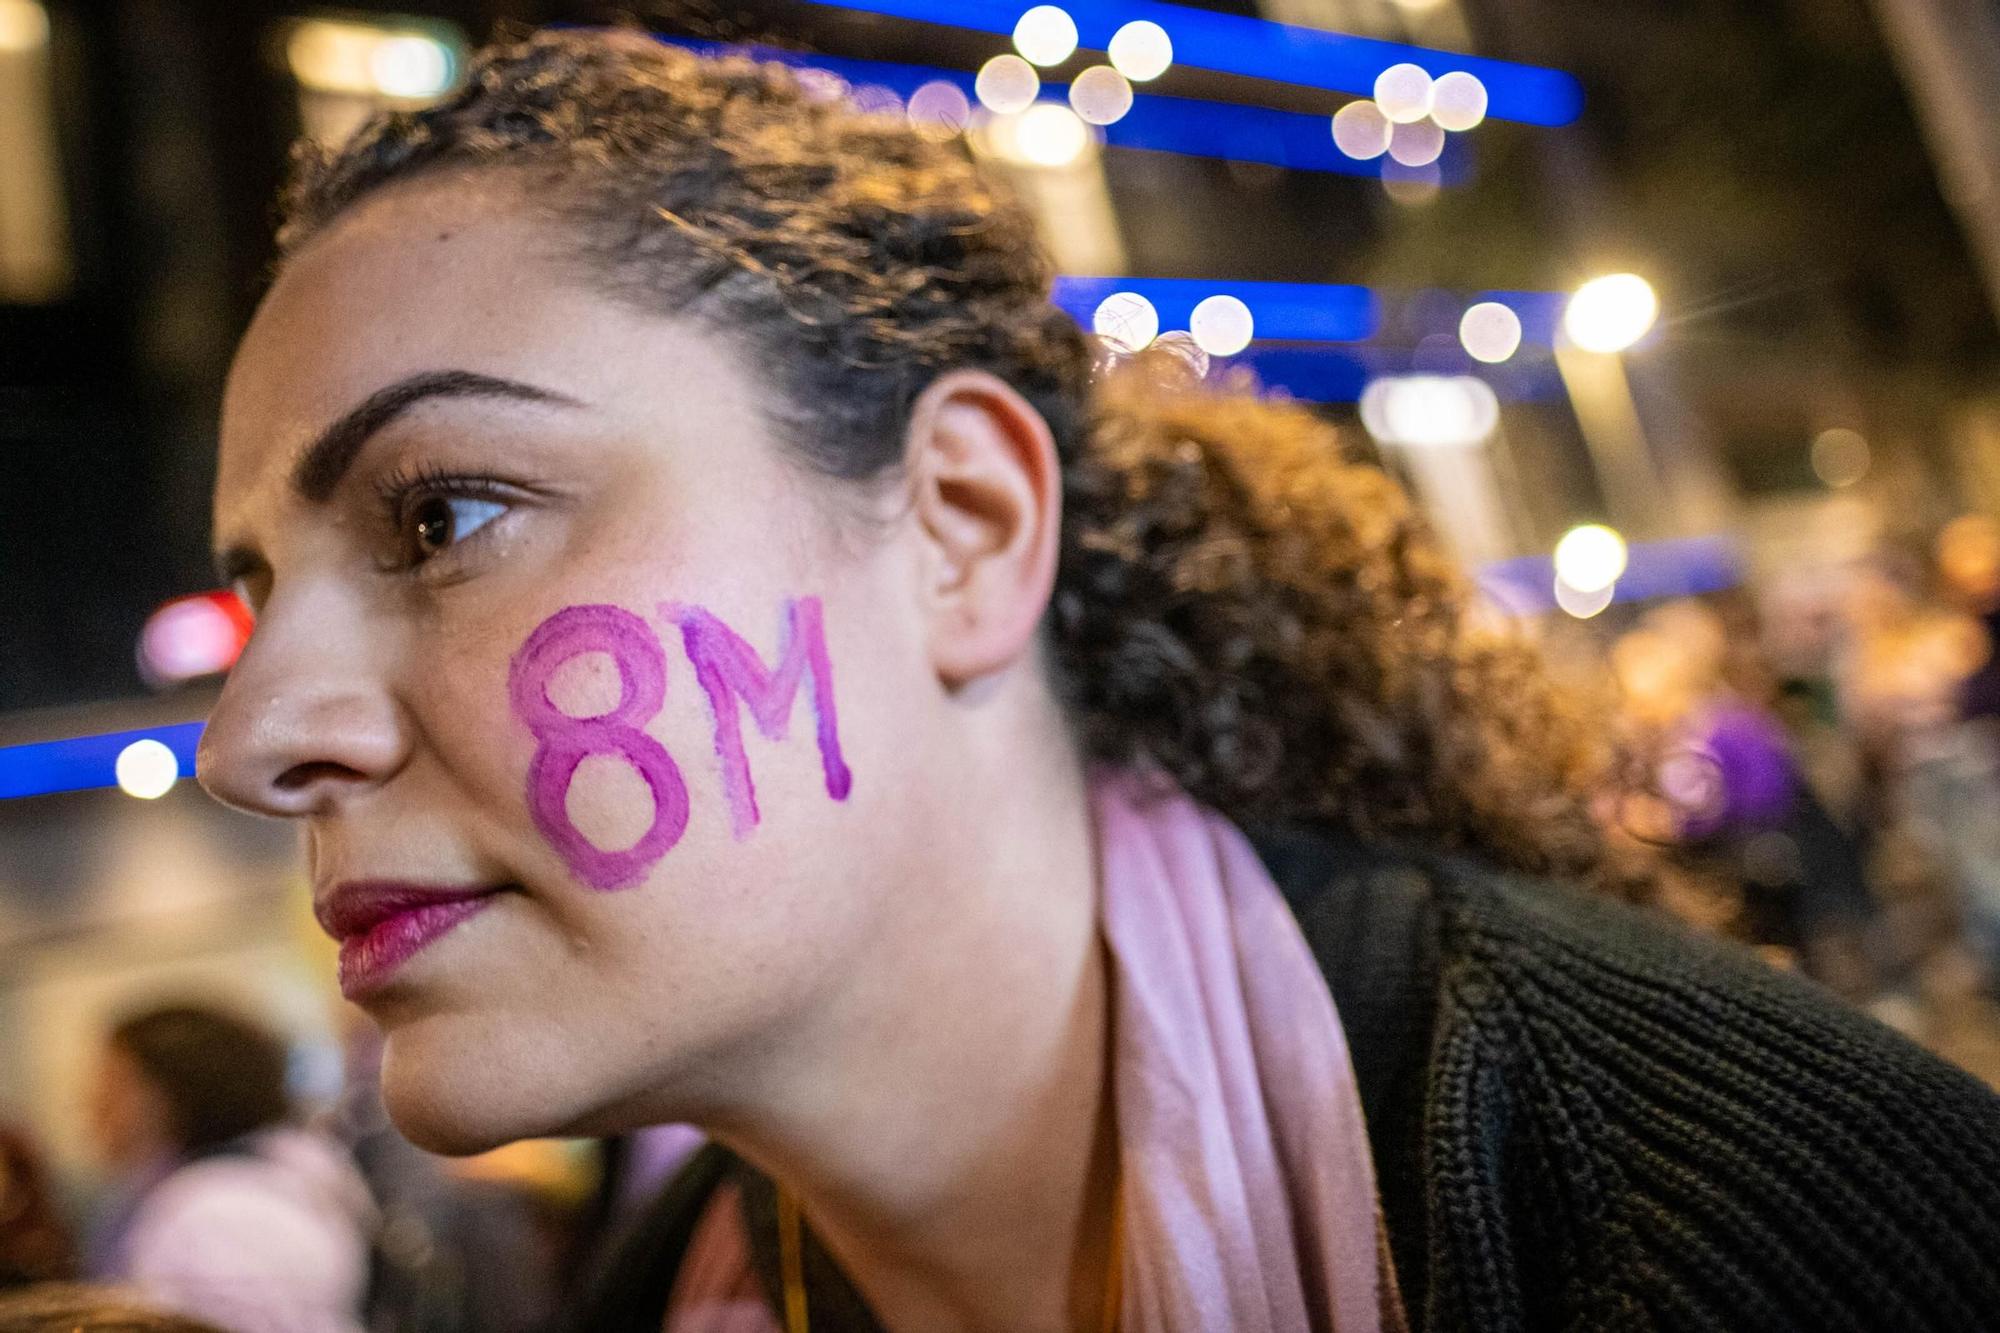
<point x="730" y="673"/>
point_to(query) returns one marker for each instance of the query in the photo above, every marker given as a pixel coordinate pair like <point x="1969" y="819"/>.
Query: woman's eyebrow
<point x="326" y="460"/>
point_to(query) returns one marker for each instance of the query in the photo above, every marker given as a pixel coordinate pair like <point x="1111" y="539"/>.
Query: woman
<point x="608" y="418"/>
<point x="228" y="1212"/>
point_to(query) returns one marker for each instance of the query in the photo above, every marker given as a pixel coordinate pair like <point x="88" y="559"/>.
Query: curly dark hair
<point x="1238" y="604"/>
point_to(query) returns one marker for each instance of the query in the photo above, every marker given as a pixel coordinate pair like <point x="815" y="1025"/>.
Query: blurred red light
<point x="195" y="636"/>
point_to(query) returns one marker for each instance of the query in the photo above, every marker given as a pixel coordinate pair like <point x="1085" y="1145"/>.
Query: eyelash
<point x="400" y="490"/>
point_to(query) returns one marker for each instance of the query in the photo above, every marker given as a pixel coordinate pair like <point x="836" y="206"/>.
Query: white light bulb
<point x="1361" y="131"/>
<point x="1610" y="314"/>
<point x="1404" y="93"/>
<point x="1181" y="345"/>
<point x="1045" y="35"/>
<point x="1141" y="50"/>
<point x="1222" y="325"/>
<point x="1101" y="95"/>
<point x="1126" y="320"/>
<point x="1007" y="85"/>
<point x="410" y="66"/>
<point x="147" y="769"/>
<point x="1049" y="134"/>
<point x="1416" y="144"/>
<point x="1491" y="332"/>
<point x="1458" y="101"/>
<point x="1583" y="605"/>
<point x="940" y="109"/>
<point x="1591" y="558"/>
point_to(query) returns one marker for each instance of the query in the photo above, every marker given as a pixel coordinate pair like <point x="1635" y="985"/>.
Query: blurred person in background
<point x="35" y="1242"/>
<point x="1904" y="681"/>
<point x="224" y="1208"/>
<point x="1176" y="913"/>
<point x="1968" y="559"/>
<point x="1739" y="802"/>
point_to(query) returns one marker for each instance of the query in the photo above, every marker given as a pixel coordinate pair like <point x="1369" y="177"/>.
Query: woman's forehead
<point x="442" y="278"/>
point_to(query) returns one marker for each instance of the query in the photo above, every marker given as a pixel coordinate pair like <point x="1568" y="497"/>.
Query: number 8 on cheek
<point x="563" y="741"/>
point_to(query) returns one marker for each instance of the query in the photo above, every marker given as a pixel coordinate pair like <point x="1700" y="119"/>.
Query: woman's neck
<point x="946" y="1122"/>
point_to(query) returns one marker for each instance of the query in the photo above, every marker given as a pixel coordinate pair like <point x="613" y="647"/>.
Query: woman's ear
<point x="986" y="491"/>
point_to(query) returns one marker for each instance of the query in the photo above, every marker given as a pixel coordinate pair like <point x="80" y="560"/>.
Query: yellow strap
<point x="792" y="1262"/>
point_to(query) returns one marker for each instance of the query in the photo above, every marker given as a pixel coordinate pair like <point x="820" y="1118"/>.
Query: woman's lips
<point x="382" y="925"/>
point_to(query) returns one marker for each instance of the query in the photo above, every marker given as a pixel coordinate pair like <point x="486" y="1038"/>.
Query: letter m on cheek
<point x="736" y="681"/>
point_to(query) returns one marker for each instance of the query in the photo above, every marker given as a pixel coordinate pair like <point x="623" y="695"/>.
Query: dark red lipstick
<point x="382" y="924"/>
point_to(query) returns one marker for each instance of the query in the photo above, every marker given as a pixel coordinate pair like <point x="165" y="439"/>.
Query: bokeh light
<point x="1045" y="35"/>
<point x="362" y="59"/>
<point x="1581" y="604"/>
<point x="1126" y="320"/>
<point x="1609" y="314"/>
<point x="1430" y="411"/>
<point x="1412" y="187"/>
<point x="1180" y="344"/>
<point x="1458" y="101"/>
<point x="1007" y="85"/>
<point x="1590" y="557"/>
<point x="1101" y="95"/>
<point x="1361" y="131"/>
<point x="1490" y="332"/>
<point x="147" y="769"/>
<point x="1840" y="457"/>
<point x="1141" y="50"/>
<point x="820" y="85"/>
<point x="1404" y="93"/>
<point x="940" y="109"/>
<point x="876" y="99"/>
<point x="191" y="637"/>
<point x="410" y="66"/>
<point x="1048" y="134"/>
<point x="24" y="25"/>
<point x="1417" y="144"/>
<point x="1222" y="325"/>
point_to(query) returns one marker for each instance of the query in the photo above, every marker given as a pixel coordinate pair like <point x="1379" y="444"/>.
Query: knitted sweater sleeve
<point x="1628" y="1127"/>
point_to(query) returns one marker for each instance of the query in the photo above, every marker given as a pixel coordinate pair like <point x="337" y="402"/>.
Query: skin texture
<point x="895" y="1002"/>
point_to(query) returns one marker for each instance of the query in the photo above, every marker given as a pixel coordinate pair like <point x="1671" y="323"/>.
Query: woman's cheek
<point x="642" y="724"/>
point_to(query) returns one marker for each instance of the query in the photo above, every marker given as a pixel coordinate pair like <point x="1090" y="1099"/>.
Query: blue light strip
<point x="1292" y="311"/>
<point x="1683" y="567"/>
<point x="1233" y="44"/>
<point x="1158" y="124"/>
<point x="1326" y="373"/>
<point x="85" y="762"/>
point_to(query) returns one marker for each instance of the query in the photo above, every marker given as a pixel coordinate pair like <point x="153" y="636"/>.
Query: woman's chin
<point x="463" y="1098"/>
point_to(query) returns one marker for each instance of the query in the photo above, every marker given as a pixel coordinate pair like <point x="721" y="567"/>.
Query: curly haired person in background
<point x="742" y="657"/>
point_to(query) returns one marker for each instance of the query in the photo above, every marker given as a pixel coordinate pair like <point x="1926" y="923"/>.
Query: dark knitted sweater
<point x="1582" y="1118"/>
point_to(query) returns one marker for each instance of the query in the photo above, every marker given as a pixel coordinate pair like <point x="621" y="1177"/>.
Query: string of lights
<point x="1258" y="48"/>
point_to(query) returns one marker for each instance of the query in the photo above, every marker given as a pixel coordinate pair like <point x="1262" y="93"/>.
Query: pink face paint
<point x="564" y="742"/>
<point x="731" y="672"/>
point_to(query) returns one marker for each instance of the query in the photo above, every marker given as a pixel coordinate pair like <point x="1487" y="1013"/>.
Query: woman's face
<point x="603" y="717"/>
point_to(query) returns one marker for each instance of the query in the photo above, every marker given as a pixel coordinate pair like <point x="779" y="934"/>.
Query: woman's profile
<point x="742" y="657"/>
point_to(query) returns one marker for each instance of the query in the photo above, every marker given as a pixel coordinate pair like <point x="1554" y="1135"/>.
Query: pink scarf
<point x="1249" y="1190"/>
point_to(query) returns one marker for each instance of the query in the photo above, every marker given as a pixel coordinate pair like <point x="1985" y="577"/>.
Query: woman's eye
<point x="439" y="521"/>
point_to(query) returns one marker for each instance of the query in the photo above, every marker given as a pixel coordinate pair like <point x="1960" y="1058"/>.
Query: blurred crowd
<point x="1822" y="775"/>
<point x="1817" y="771"/>
<point x="227" y="1205"/>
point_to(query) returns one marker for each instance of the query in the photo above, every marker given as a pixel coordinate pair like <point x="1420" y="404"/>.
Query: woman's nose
<point x="305" y="720"/>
